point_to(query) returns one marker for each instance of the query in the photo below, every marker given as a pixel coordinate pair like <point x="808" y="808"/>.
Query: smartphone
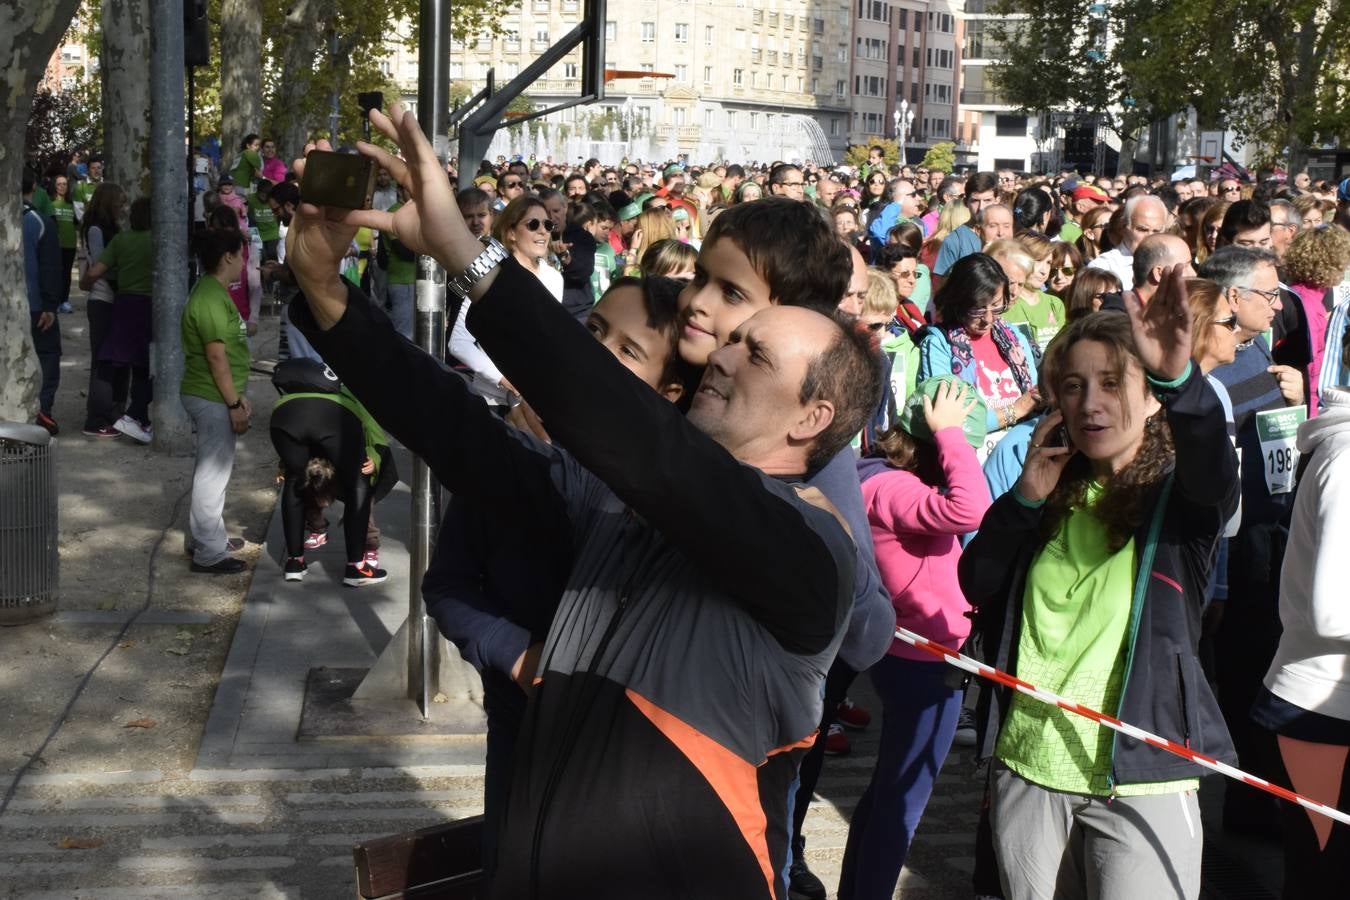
<point x="1059" y="438"/>
<point x="341" y="180"/>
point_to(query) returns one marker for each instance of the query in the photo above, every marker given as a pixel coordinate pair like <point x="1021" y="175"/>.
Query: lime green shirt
<point x="210" y="315"/>
<point x="261" y="217"/>
<point x="41" y="201"/>
<point x="1043" y="320"/>
<point x="1075" y="631"/>
<point x="375" y="437"/>
<point x="130" y="257"/>
<point x="63" y="211"/>
<point x="401" y="271"/>
<point x="84" y="191"/>
<point x="246" y="169"/>
<point x="1070" y="231"/>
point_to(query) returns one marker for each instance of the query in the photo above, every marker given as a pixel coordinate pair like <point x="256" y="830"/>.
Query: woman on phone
<point x="1088" y="580"/>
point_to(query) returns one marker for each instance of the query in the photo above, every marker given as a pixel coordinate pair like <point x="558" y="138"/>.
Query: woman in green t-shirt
<point x="67" y="223"/>
<point x="215" y="377"/>
<point x="1088" y="579"/>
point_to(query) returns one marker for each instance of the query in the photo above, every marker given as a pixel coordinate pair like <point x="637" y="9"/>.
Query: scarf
<point x="1008" y="348"/>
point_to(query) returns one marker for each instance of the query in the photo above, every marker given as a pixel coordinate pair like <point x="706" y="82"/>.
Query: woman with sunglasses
<point x="876" y="195"/>
<point x="525" y="229"/>
<point x="972" y="341"/>
<point x="1094" y="224"/>
<point x="1065" y="261"/>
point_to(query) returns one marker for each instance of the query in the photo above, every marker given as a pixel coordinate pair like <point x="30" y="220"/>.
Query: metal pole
<point x="425" y="647"/>
<point x="170" y="216"/>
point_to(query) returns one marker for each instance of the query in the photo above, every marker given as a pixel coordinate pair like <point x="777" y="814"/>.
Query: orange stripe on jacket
<point x="733" y="779"/>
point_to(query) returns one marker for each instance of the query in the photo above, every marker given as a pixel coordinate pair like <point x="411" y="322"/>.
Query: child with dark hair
<point x="922" y="493"/>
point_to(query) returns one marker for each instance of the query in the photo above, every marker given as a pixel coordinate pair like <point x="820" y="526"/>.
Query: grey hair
<point x="1133" y="203"/>
<point x="1294" y="217"/>
<point x="979" y="219"/>
<point x="1151" y="252"/>
<point x="1234" y="266"/>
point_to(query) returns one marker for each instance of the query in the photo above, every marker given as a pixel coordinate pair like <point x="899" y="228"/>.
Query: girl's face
<point x="1312" y="218"/>
<point x="845" y="224"/>
<point x="1040" y="273"/>
<point x="876" y="186"/>
<point x="531" y="234"/>
<point x="62" y="185"/>
<point x="1106" y="413"/>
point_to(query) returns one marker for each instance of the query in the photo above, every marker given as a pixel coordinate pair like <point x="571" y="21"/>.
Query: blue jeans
<point x="920" y="703"/>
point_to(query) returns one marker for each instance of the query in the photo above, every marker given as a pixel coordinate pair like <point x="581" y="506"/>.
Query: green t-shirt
<point x="83" y="192"/>
<point x="401" y="271"/>
<point x="261" y="217"/>
<point x="63" y="211"/>
<point x="130" y="257"/>
<point x="210" y="315"/>
<point x="605" y="265"/>
<point x="246" y="170"/>
<point x="1074" y="642"/>
<point x="41" y="201"/>
<point x="375" y="437"/>
<point x="1043" y="321"/>
<point x="1070" y="231"/>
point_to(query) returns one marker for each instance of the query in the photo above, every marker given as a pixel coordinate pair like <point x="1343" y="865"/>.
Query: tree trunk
<point x="125" y="68"/>
<point x="240" y="72"/>
<point x="295" y="116"/>
<point x="29" y="33"/>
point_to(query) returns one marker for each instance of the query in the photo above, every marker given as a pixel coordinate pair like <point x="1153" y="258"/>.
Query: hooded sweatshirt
<point x="916" y="530"/>
<point x="1312" y="665"/>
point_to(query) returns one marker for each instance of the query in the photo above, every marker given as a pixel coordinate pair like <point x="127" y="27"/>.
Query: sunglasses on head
<point x="533" y="224"/>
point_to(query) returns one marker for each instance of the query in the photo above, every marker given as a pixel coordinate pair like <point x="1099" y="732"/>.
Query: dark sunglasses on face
<point x="1231" y="323"/>
<point x="875" y="326"/>
<point x="513" y="184"/>
<point x="533" y="224"/>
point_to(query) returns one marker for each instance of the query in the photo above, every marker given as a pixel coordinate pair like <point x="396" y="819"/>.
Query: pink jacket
<point x="916" y="529"/>
<point x="1311" y="298"/>
<point x="274" y="170"/>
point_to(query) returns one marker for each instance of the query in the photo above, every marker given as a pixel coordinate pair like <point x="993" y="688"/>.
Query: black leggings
<point x="307" y="428"/>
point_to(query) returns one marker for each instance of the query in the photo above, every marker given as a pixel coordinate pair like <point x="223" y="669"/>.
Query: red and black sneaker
<point x="836" y="742"/>
<point x="363" y="573"/>
<point x="48" y="423"/>
<point x="852" y="716"/>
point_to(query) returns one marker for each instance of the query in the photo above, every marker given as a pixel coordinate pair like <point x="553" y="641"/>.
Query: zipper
<point x="583" y="704"/>
<point x="1141" y="582"/>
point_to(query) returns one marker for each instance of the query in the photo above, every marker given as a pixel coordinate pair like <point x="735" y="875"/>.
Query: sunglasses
<point x="1231" y="323"/>
<point x="533" y="224"/>
<point x="975" y="315"/>
<point x="875" y="326"/>
<point x="1066" y="271"/>
<point x="513" y="184"/>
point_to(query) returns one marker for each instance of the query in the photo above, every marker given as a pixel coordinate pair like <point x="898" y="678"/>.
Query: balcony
<point x="980" y="98"/>
<point x="511" y="45"/>
<point x="540" y="44"/>
<point x="773" y="20"/>
<point x="787" y="21"/>
<point x="773" y="57"/>
<point x="801" y="59"/>
<point x="756" y="55"/>
<point x="541" y="6"/>
<point x="757" y="17"/>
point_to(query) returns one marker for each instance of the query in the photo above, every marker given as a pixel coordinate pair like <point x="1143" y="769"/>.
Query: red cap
<point x="1088" y="192"/>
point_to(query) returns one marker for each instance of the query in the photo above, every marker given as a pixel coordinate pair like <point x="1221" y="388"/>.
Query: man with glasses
<point x="964" y="241"/>
<point x="1248" y="633"/>
<point x="904" y="207"/>
<point x="786" y="180"/>
<point x="1144" y="215"/>
<point x="1284" y="224"/>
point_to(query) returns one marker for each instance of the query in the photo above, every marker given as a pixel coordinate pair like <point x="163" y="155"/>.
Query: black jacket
<point x="1165" y="690"/>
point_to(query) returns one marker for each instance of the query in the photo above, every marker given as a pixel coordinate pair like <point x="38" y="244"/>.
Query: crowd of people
<point x="1084" y="428"/>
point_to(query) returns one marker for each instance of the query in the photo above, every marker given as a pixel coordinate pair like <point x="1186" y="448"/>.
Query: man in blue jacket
<point x="42" y="276"/>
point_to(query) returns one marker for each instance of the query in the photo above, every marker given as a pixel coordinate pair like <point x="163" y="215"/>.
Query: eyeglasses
<point x="1283" y="224"/>
<point x="533" y="224"/>
<point x="513" y="184"/>
<point x="1233" y="189"/>
<point x="975" y="315"/>
<point x="1269" y="296"/>
<point x="877" y="181"/>
<point x="1066" y="271"/>
<point x="1231" y="323"/>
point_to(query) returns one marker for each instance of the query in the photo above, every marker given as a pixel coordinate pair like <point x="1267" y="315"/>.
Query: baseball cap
<point x="913" y="421"/>
<point x="1089" y="192"/>
<point x="224" y="179"/>
<point x="629" y="211"/>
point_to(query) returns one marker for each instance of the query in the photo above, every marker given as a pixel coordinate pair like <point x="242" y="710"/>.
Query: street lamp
<point x="904" y="120"/>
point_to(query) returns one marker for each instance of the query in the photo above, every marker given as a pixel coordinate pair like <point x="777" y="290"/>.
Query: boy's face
<point x="478" y="218"/>
<point x="726" y="291"/>
<point x="619" y="322"/>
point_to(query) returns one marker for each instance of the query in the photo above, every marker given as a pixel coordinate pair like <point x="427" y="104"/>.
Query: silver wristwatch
<point x="493" y="255"/>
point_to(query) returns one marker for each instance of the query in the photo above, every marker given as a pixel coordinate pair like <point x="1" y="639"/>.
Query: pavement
<point x="178" y="770"/>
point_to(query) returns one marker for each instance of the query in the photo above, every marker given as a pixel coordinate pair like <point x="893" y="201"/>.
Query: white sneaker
<point x="134" y="430"/>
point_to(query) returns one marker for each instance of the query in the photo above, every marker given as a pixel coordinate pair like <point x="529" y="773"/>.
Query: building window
<point x="707" y="74"/>
<point x="1010" y="126"/>
<point x="914" y="92"/>
<point x="731" y="119"/>
<point x="569" y="70"/>
<point x="456" y="70"/>
<point x="840" y="88"/>
<point x="707" y="35"/>
<point x="707" y="118"/>
<point x="611" y="31"/>
<point x="541" y="34"/>
<point x="738" y="77"/>
<point x="510" y="69"/>
<point x="646" y="67"/>
<point x="754" y="121"/>
<point x="834" y="126"/>
<point x="648" y="32"/>
<point x="815" y="85"/>
<point x="681" y="33"/>
<point x="682" y="74"/>
<point x="915" y="58"/>
<point x="678" y="115"/>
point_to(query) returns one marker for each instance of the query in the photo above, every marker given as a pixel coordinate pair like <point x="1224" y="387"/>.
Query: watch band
<point x="493" y="255"/>
<point x="237" y="404"/>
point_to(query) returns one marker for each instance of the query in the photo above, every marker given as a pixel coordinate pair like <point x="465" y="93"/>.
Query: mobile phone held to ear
<point x="341" y="180"/>
<point x="1059" y="438"/>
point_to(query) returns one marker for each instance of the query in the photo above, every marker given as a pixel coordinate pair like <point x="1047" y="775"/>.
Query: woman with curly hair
<point x="1087" y="579"/>
<point x="1314" y="264"/>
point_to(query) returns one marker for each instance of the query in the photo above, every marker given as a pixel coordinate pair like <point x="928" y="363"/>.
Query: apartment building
<point x="906" y="60"/>
<point x="735" y="79"/>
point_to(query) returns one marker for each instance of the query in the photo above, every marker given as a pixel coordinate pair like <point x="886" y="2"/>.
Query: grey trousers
<point x="210" y="478"/>
<point x="1064" y="846"/>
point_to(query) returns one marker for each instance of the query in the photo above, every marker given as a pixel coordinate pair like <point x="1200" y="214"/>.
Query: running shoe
<point x="965" y="729"/>
<point x="134" y="430"/>
<point x="315" y="539"/>
<point x="107" y="431"/>
<point x="48" y="423"/>
<point x="853" y="716"/>
<point x="294" y="569"/>
<point x="372" y="559"/>
<point x="361" y="574"/>
<point x="65" y="308"/>
<point x="836" y="742"/>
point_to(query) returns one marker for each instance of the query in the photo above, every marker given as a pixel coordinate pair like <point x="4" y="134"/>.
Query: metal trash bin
<point x="29" y="565"/>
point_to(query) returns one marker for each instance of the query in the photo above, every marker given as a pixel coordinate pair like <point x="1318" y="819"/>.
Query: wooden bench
<point x="442" y="862"/>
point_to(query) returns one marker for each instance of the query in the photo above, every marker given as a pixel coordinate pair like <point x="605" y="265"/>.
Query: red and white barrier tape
<point x="989" y="672"/>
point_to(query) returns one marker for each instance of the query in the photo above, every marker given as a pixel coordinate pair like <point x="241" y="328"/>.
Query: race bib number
<point x="1277" y="429"/>
<point x="991" y="440"/>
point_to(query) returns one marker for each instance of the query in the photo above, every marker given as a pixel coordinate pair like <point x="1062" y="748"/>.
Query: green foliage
<point x="1273" y="71"/>
<point x="856" y="155"/>
<point x="56" y="126"/>
<point x="941" y="156"/>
